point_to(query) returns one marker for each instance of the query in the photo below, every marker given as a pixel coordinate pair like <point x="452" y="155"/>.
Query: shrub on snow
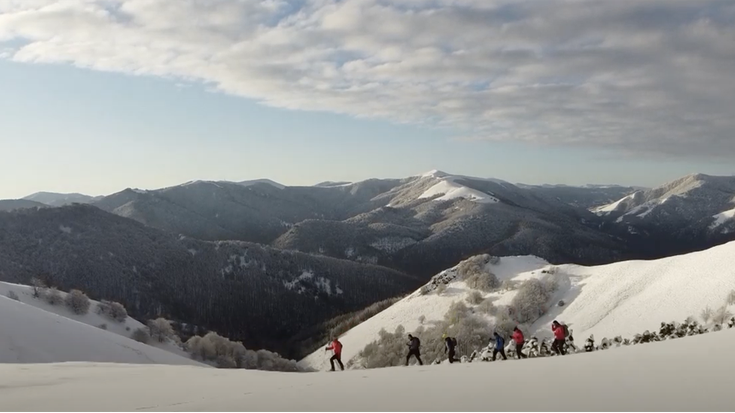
<point x="112" y="310"/>
<point x="225" y="353"/>
<point x="531" y="301"/>
<point x="13" y="296"/>
<point x="141" y="335"/>
<point x="485" y="281"/>
<point x="78" y="302"/>
<point x="475" y="298"/>
<point x="487" y="307"/>
<point x="53" y="296"/>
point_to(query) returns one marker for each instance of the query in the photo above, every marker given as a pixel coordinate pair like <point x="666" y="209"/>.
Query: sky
<point x="100" y="95"/>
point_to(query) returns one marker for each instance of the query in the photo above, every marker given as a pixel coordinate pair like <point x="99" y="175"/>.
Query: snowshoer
<point x="499" y="346"/>
<point x="559" y="338"/>
<point x="336" y="347"/>
<point x="414" y="349"/>
<point x="449" y="344"/>
<point x="519" y="340"/>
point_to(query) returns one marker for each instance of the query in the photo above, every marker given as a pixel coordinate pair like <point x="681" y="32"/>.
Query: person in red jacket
<point x="519" y="340"/>
<point x="336" y="347"/>
<point x="559" y="338"/>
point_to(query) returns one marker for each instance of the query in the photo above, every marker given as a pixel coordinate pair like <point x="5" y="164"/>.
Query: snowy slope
<point x="624" y="298"/>
<point x="449" y="189"/>
<point x="723" y="217"/>
<point x="653" y="377"/>
<point x="630" y="297"/>
<point x="407" y="311"/>
<point x="31" y="335"/>
<point x="33" y="331"/>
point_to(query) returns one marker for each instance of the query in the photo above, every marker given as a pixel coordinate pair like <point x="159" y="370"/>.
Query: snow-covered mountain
<point x="57" y="199"/>
<point x="691" y="374"/>
<point x="428" y="222"/>
<point x="13" y="204"/>
<point x="33" y="331"/>
<point x="624" y="298"/>
<point x="690" y="213"/>
<point x="419" y="224"/>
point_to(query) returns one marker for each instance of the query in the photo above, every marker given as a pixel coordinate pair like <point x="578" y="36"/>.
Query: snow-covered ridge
<point x="449" y="189"/>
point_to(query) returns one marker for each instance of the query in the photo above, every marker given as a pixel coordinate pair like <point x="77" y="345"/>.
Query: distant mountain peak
<point x="60" y="199"/>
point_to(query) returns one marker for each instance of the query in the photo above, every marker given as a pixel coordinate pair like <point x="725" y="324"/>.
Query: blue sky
<point x="393" y="113"/>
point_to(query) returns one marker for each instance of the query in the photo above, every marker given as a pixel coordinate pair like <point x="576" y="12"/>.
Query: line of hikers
<point x="450" y="343"/>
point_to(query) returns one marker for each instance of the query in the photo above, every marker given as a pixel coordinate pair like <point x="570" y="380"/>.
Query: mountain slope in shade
<point x="56" y="199"/>
<point x="13" y="204"/>
<point x="235" y="288"/>
<point x="256" y="211"/>
<point x="624" y="298"/>
<point x="687" y="214"/>
<point x="668" y="376"/>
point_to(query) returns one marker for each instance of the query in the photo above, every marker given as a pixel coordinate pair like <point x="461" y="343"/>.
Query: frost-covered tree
<point x="161" y="329"/>
<point x="721" y="315"/>
<point x="77" y="302"/>
<point x="532" y="299"/>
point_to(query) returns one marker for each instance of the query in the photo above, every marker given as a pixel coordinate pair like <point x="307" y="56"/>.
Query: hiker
<point x="519" y="340"/>
<point x="499" y="346"/>
<point x="414" y="349"/>
<point x="449" y="344"/>
<point x="559" y="338"/>
<point x="336" y="347"/>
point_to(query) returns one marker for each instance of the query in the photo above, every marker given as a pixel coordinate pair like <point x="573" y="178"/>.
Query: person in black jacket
<point x="414" y="349"/>
<point x="449" y="344"/>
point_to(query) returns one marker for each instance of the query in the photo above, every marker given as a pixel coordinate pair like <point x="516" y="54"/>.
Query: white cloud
<point x="644" y="77"/>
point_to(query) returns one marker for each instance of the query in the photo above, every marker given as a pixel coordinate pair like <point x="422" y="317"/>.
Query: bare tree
<point x="721" y="315"/>
<point x="706" y="314"/>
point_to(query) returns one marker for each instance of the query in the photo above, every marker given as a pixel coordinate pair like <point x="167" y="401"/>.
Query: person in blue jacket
<point x="499" y="346"/>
